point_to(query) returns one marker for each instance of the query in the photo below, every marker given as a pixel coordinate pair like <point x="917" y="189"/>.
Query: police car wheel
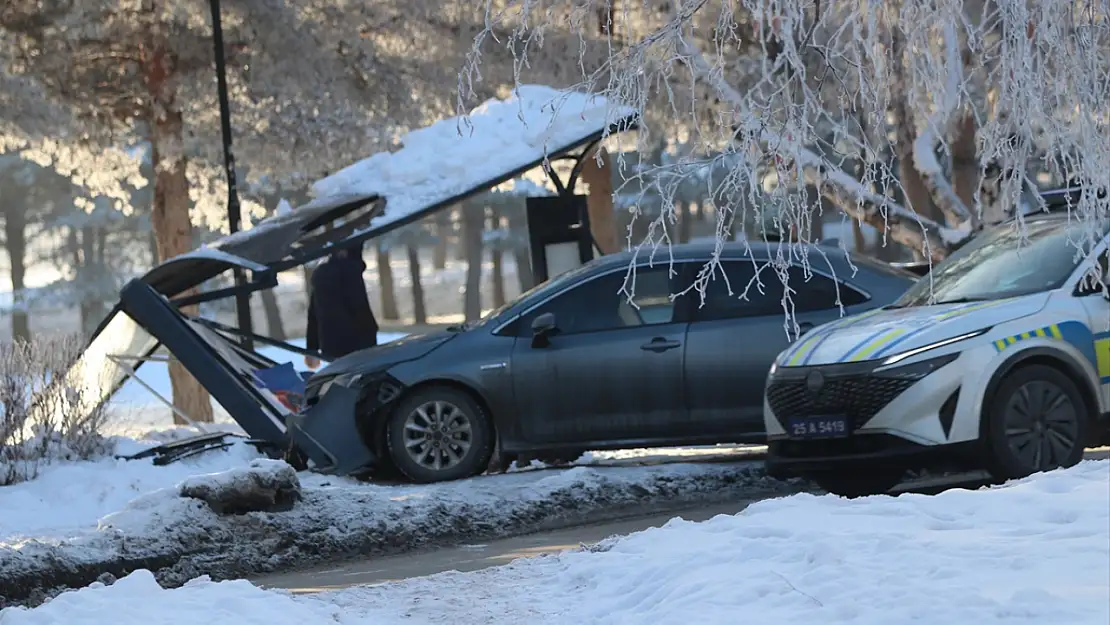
<point x="438" y="434"/>
<point x="1037" y="421"/>
<point x="858" y="483"/>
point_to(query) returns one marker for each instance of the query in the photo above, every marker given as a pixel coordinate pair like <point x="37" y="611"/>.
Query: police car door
<point x="1093" y="293"/>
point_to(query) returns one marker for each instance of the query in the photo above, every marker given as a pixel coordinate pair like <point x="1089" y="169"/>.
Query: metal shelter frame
<point x="354" y="233"/>
<point x="277" y="244"/>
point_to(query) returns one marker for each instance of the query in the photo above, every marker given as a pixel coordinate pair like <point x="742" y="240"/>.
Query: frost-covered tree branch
<point x="981" y="99"/>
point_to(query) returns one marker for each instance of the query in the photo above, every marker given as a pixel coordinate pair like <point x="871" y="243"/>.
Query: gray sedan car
<point x="574" y="364"/>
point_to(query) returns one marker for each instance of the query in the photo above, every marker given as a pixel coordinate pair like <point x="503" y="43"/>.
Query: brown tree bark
<point x="385" y="280"/>
<point x="914" y="190"/>
<point x="173" y="231"/>
<point x="419" y="312"/>
<point x="965" y="164"/>
<point x="599" y="201"/>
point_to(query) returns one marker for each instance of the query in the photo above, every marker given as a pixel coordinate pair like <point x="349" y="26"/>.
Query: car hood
<point x="385" y="355"/>
<point x="885" y="332"/>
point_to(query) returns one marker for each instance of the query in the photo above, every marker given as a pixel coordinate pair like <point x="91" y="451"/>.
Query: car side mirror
<point x="543" y="328"/>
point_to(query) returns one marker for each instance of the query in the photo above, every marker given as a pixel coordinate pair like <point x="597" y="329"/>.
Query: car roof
<point x="705" y="250"/>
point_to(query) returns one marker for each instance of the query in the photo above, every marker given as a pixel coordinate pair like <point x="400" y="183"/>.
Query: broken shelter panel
<point x="118" y="344"/>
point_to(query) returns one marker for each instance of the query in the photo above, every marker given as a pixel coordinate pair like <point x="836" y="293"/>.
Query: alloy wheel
<point x="437" y="435"/>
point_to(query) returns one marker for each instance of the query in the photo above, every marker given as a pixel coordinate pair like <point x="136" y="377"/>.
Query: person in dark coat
<point x="339" y="317"/>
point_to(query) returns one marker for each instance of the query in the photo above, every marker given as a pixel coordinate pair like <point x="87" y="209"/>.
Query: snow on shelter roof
<point x="454" y="157"/>
<point x="437" y="165"/>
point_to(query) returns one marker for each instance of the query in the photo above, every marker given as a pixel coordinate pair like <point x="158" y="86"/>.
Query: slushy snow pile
<point x="1033" y="551"/>
<point x="453" y="156"/>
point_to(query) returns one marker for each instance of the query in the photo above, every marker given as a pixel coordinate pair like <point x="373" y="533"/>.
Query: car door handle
<point x="659" y="345"/>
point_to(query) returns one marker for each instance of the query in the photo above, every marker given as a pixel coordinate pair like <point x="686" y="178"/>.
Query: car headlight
<point x="346" y="380"/>
<point x="931" y="346"/>
<point x="918" y="370"/>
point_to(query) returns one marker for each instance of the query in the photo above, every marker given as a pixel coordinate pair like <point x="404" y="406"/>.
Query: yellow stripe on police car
<point x="876" y="344"/>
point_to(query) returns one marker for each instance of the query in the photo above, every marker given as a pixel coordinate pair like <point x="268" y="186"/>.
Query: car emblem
<point x="814" y="382"/>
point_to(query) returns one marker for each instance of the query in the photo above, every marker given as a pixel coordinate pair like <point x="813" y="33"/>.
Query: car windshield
<point x="1004" y="262"/>
<point x="552" y="285"/>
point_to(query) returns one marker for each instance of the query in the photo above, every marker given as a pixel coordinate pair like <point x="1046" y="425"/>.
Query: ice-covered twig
<point x="845" y="191"/>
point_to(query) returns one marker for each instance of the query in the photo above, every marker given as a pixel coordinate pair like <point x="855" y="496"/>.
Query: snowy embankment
<point x="78" y="521"/>
<point x="1032" y="551"/>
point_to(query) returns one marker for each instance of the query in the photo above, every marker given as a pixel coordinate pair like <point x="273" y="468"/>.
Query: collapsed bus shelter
<point x="148" y="324"/>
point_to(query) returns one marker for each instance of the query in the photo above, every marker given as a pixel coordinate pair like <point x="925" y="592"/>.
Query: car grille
<point x="858" y="397"/>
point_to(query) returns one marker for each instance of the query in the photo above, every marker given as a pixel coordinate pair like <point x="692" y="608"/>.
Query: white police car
<point x="1000" y="360"/>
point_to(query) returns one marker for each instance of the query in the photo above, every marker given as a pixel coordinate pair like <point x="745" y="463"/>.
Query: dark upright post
<point x="234" y="215"/>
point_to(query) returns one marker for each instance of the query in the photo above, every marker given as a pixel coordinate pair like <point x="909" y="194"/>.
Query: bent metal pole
<point x="234" y="215"/>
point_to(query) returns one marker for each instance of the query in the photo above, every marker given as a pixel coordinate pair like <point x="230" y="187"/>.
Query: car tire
<point x="1036" y="421"/>
<point x="858" y="483"/>
<point x="439" y="434"/>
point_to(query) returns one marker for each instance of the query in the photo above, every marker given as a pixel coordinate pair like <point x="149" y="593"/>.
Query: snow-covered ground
<point x="75" y="521"/>
<point x="93" y="515"/>
<point x="1032" y="551"/>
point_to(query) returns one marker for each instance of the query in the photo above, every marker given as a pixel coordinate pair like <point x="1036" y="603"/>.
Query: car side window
<point x="815" y="293"/>
<point x="600" y="305"/>
<point x="735" y="276"/>
<point x="819" y="292"/>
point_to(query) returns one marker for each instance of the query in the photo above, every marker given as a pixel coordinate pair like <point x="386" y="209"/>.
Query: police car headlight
<point x="918" y="370"/>
<point x="919" y="350"/>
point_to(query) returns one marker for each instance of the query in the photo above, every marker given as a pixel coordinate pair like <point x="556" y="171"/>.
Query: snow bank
<point x="69" y="499"/>
<point x="1034" y="551"/>
<point x="456" y="155"/>
<point x="180" y="538"/>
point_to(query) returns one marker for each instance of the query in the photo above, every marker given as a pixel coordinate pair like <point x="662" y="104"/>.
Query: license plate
<point x="820" y="427"/>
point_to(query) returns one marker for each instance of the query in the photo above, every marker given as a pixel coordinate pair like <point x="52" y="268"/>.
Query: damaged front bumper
<point x="332" y="429"/>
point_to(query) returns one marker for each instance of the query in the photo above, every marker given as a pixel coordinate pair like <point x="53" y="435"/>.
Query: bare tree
<point x="313" y="85"/>
<point x="773" y="90"/>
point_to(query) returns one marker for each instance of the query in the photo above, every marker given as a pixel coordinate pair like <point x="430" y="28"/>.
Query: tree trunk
<point x="497" y="269"/>
<point x="965" y="164"/>
<point x="419" y="312"/>
<point x="443" y="236"/>
<point x="518" y="232"/>
<point x="173" y="230"/>
<point x="272" y="311"/>
<point x="15" y="233"/>
<point x="473" y="226"/>
<point x="152" y="243"/>
<point x="917" y="196"/>
<point x="385" y="280"/>
<point x="685" y="221"/>
<point x="89" y="276"/>
<point x="859" y="243"/>
<point x="599" y="201"/>
<point x="460" y="250"/>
